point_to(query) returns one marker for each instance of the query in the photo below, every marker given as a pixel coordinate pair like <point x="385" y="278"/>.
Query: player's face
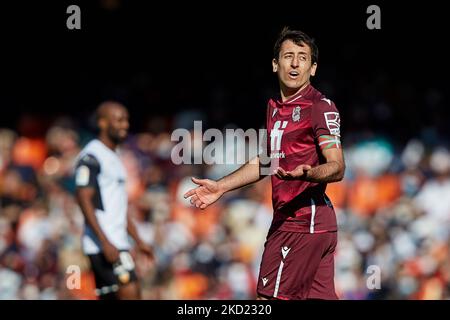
<point x="294" y="66"/>
<point x="118" y="124"/>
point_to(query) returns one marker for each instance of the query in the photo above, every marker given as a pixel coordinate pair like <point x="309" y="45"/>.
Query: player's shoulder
<point x="88" y="159"/>
<point x="322" y="103"/>
<point x="272" y="102"/>
<point x="325" y="104"/>
<point x="271" y="106"/>
<point x="90" y="155"/>
<point x="94" y="147"/>
<point x="318" y="98"/>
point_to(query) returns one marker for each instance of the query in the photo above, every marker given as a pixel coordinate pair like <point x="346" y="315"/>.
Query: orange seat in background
<point x="367" y="195"/>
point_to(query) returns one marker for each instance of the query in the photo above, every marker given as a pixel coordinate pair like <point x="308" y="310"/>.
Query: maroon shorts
<point x="298" y="266"/>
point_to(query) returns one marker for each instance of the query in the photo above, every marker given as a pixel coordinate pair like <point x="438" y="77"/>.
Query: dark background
<point x="161" y="58"/>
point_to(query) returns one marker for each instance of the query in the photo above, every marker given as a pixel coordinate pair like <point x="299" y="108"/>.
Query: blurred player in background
<point x="100" y="179"/>
<point x="303" y="140"/>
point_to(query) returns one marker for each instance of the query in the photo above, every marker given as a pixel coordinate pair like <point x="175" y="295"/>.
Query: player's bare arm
<point x="141" y="245"/>
<point x="331" y="171"/>
<point x="85" y="200"/>
<point x="209" y="191"/>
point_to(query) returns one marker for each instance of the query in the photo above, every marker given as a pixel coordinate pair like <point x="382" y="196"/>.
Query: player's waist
<point x="312" y="196"/>
<point x="313" y="218"/>
<point x="116" y="229"/>
<point x="111" y="213"/>
<point x="291" y="226"/>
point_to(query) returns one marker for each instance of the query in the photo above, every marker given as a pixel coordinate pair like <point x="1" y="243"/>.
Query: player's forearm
<point x="132" y="231"/>
<point x="245" y="175"/>
<point x="332" y="171"/>
<point x="95" y="226"/>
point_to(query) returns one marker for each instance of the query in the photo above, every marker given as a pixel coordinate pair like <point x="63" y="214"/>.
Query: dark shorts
<point x="298" y="266"/>
<point x="109" y="277"/>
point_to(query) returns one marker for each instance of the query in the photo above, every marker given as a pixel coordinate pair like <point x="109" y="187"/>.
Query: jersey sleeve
<point x="86" y="171"/>
<point x="325" y="119"/>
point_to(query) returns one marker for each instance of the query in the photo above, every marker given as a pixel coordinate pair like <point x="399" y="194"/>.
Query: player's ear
<point x="313" y="69"/>
<point x="274" y="65"/>
<point x="102" y="123"/>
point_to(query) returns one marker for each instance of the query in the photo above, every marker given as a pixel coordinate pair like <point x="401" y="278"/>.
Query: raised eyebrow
<point x="304" y="53"/>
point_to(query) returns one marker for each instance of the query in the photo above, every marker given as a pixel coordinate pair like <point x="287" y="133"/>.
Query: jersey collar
<point x="296" y="96"/>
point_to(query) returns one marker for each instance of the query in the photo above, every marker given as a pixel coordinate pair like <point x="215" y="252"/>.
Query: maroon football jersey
<point x="293" y="129"/>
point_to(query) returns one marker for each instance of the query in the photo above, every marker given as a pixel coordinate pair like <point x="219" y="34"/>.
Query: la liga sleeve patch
<point x="333" y="122"/>
<point x="325" y="119"/>
<point x="87" y="171"/>
<point x="82" y="176"/>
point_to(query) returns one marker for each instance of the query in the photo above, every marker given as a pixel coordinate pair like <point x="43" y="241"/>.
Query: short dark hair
<point x="101" y="110"/>
<point x="299" y="38"/>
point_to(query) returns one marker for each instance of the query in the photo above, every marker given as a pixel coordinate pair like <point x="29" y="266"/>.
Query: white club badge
<point x="296" y="114"/>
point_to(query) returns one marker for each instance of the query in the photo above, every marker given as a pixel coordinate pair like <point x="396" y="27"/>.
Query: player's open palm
<point x="298" y="173"/>
<point x="206" y="193"/>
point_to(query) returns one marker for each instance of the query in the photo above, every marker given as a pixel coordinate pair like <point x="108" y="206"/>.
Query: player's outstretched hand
<point x="206" y="193"/>
<point x="298" y="173"/>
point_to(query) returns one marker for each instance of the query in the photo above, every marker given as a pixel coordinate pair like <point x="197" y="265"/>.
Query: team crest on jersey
<point x="296" y="114"/>
<point x="333" y="123"/>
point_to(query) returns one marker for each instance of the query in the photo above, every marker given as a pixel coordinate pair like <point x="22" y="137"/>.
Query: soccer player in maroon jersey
<point x="303" y="138"/>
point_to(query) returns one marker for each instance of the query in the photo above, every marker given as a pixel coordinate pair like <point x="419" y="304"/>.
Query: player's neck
<point x="108" y="142"/>
<point x="287" y="93"/>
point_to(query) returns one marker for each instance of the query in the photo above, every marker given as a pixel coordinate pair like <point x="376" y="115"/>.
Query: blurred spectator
<point x="393" y="210"/>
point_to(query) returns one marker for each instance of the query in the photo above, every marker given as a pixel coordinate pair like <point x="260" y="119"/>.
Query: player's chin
<point x="292" y="85"/>
<point x="123" y="134"/>
<point x="121" y="137"/>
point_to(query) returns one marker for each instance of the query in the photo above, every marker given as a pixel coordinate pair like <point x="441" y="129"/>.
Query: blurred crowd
<point x="393" y="210"/>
